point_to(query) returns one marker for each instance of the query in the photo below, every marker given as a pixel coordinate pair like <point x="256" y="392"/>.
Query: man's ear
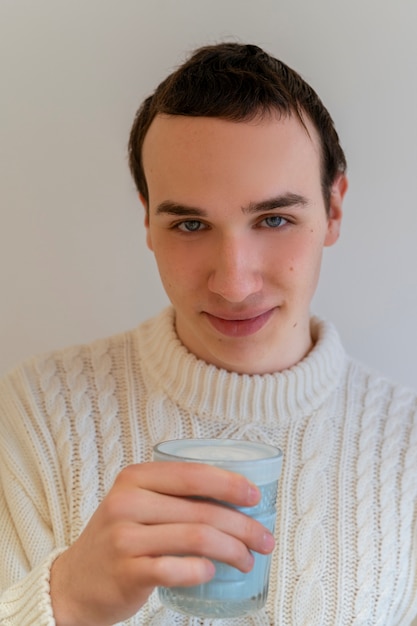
<point x="334" y="221"/>
<point x="146" y="221"/>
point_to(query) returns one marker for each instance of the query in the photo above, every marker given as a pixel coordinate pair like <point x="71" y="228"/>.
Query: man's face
<point x="237" y="222"/>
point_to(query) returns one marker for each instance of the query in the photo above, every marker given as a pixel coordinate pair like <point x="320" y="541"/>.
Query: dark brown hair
<point x="236" y="82"/>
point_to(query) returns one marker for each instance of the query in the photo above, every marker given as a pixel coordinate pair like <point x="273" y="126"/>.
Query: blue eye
<point x="274" y="221"/>
<point x="190" y="226"/>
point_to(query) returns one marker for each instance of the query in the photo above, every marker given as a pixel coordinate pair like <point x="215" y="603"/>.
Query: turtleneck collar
<point x="206" y="390"/>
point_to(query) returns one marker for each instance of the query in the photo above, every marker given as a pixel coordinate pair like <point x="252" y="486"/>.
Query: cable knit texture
<point x="346" y="527"/>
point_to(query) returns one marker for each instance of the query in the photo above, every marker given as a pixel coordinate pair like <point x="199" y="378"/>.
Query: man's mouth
<point x="239" y="325"/>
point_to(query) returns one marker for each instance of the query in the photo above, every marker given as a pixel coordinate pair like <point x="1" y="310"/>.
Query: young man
<point x="242" y="179"/>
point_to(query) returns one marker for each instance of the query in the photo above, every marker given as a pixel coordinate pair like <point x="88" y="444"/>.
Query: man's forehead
<point x="171" y="130"/>
<point x="201" y="162"/>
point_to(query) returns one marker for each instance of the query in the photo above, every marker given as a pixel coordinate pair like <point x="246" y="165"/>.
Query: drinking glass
<point x="230" y="593"/>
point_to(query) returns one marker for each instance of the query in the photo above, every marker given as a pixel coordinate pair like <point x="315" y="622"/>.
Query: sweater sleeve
<point x="32" y="510"/>
<point x="28" y="602"/>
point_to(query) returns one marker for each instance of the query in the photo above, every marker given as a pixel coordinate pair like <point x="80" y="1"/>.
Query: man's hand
<point x="135" y="539"/>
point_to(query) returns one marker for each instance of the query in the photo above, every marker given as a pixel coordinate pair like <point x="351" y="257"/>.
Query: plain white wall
<point x="73" y="263"/>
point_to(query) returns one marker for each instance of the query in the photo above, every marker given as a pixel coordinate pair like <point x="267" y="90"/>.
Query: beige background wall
<point x="73" y="264"/>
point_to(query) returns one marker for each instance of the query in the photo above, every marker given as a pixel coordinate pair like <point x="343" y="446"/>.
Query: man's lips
<point x="239" y="325"/>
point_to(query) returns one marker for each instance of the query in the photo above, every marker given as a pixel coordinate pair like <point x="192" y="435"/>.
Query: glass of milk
<point x="230" y="593"/>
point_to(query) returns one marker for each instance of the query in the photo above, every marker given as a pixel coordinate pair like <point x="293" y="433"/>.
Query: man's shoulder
<point x="93" y="358"/>
<point x="78" y="350"/>
<point x="375" y="386"/>
<point x="70" y="361"/>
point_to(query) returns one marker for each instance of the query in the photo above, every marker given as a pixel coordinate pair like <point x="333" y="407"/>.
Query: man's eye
<point x="190" y="226"/>
<point x="274" y="221"/>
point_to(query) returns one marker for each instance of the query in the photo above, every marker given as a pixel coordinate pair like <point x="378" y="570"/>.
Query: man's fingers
<point x="174" y="571"/>
<point x="186" y="540"/>
<point x="191" y="479"/>
<point x="146" y="508"/>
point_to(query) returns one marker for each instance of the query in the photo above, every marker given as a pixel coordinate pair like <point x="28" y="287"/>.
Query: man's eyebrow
<point x="174" y="208"/>
<point x="278" y="202"/>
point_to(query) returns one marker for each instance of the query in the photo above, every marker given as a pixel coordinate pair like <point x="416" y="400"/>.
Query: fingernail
<point x="249" y="562"/>
<point x="210" y="570"/>
<point x="268" y="541"/>
<point x="253" y="493"/>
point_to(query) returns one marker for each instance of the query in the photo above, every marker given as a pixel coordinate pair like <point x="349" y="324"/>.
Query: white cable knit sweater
<point x="346" y="527"/>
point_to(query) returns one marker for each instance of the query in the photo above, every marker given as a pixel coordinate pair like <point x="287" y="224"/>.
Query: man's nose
<point x="235" y="273"/>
